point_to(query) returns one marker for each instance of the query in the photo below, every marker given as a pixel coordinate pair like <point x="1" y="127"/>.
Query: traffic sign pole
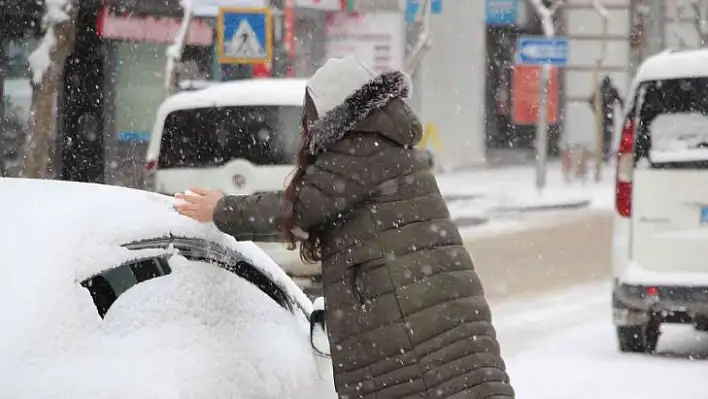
<point x="542" y="128"/>
<point x="546" y="52"/>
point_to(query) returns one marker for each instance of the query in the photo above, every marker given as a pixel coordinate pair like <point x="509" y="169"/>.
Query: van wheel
<point x="638" y="339"/>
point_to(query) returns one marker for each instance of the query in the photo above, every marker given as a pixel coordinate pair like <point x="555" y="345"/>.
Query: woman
<point x="406" y="314"/>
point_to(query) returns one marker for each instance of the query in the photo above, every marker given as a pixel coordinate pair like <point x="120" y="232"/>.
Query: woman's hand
<point x="200" y="205"/>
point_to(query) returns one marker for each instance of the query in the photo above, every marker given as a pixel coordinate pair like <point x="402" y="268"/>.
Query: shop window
<point x="17" y="100"/>
<point x="17" y="89"/>
<point x="139" y="87"/>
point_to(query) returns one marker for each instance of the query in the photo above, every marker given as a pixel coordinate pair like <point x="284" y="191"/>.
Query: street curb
<point x="543" y="207"/>
<point x="470" y="221"/>
<point x="464" y="197"/>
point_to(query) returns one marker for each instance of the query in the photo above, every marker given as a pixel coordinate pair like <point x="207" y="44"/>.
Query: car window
<point x="673" y="123"/>
<point x="106" y="287"/>
<point x="208" y="137"/>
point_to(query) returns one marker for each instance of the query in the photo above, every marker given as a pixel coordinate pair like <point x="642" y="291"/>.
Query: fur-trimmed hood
<point x="340" y="117"/>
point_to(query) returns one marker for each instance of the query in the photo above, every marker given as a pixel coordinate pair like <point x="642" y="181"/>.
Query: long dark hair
<point x="310" y="247"/>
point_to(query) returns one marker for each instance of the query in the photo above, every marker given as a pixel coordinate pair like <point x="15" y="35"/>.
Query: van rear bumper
<point x="633" y="305"/>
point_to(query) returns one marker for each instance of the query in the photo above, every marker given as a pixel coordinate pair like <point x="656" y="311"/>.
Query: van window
<point x="672" y="129"/>
<point x="207" y="137"/>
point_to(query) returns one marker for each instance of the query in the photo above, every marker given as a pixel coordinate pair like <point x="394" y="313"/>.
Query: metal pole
<point x="542" y="128"/>
<point x="545" y="14"/>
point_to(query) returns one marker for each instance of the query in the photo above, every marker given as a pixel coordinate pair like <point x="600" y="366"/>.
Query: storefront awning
<point x="202" y="8"/>
<point x="28" y="9"/>
<point x="375" y="5"/>
<point x="147" y="7"/>
<point x="210" y="8"/>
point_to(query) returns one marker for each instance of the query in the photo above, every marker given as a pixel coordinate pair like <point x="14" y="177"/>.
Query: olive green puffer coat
<point x="406" y="314"/>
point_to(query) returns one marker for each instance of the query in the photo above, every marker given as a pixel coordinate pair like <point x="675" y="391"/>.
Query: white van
<point x="238" y="137"/>
<point x="660" y="243"/>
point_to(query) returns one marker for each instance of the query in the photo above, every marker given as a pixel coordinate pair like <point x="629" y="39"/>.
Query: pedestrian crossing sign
<point x="244" y="35"/>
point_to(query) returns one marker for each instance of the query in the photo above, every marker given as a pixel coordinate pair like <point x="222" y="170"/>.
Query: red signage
<point x="152" y="29"/>
<point x="262" y="71"/>
<point x="289" y="34"/>
<point x="525" y="95"/>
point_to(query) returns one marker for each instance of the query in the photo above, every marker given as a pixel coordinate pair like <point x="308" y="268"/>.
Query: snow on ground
<point x="515" y="186"/>
<point x="495" y="228"/>
<point x="501" y="196"/>
<point x="466" y="212"/>
<point x="562" y="346"/>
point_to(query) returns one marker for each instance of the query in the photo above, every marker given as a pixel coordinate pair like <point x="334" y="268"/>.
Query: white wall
<point x="680" y="26"/>
<point x="584" y="27"/>
<point x="451" y="82"/>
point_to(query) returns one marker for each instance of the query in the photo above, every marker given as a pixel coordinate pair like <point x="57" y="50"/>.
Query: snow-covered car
<point x="660" y="243"/>
<point x="107" y="292"/>
<point x="239" y="137"/>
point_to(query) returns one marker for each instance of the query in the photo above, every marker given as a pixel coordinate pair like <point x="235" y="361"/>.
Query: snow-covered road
<point x="562" y="346"/>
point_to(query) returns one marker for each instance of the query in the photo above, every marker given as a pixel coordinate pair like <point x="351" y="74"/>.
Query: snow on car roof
<point x="672" y="64"/>
<point x="273" y="92"/>
<point x="81" y="228"/>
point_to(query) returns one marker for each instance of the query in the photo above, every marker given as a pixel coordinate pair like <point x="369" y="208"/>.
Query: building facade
<point x="584" y="28"/>
<point x="466" y="89"/>
<point x="112" y="83"/>
<point x="478" y="95"/>
<point x="114" y="79"/>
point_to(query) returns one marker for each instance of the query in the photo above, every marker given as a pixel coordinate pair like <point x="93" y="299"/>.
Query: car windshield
<point x="207" y="137"/>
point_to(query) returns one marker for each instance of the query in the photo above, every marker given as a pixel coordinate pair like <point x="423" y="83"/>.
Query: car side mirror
<point x="318" y="328"/>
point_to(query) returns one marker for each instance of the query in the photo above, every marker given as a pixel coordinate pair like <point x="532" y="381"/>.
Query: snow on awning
<point x="146" y="7"/>
<point x="121" y="26"/>
<point x="210" y="8"/>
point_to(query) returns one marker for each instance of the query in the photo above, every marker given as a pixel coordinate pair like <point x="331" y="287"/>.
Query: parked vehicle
<point x="660" y="240"/>
<point x="108" y="292"/>
<point x="239" y="137"/>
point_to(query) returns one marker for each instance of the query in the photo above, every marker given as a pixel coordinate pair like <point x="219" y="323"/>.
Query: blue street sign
<point x="244" y="35"/>
<point x="413" y="5"/>
<point x="538" y="50"/>
<point x="501" y="12"/>
<point x="134" y="136"/>
<point x="704" y="215"/>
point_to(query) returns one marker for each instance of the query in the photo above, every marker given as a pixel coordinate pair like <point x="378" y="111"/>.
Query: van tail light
<point x="151" y="166"/>
<point x="625" y="170"/>
<point x="149" y="175"/>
